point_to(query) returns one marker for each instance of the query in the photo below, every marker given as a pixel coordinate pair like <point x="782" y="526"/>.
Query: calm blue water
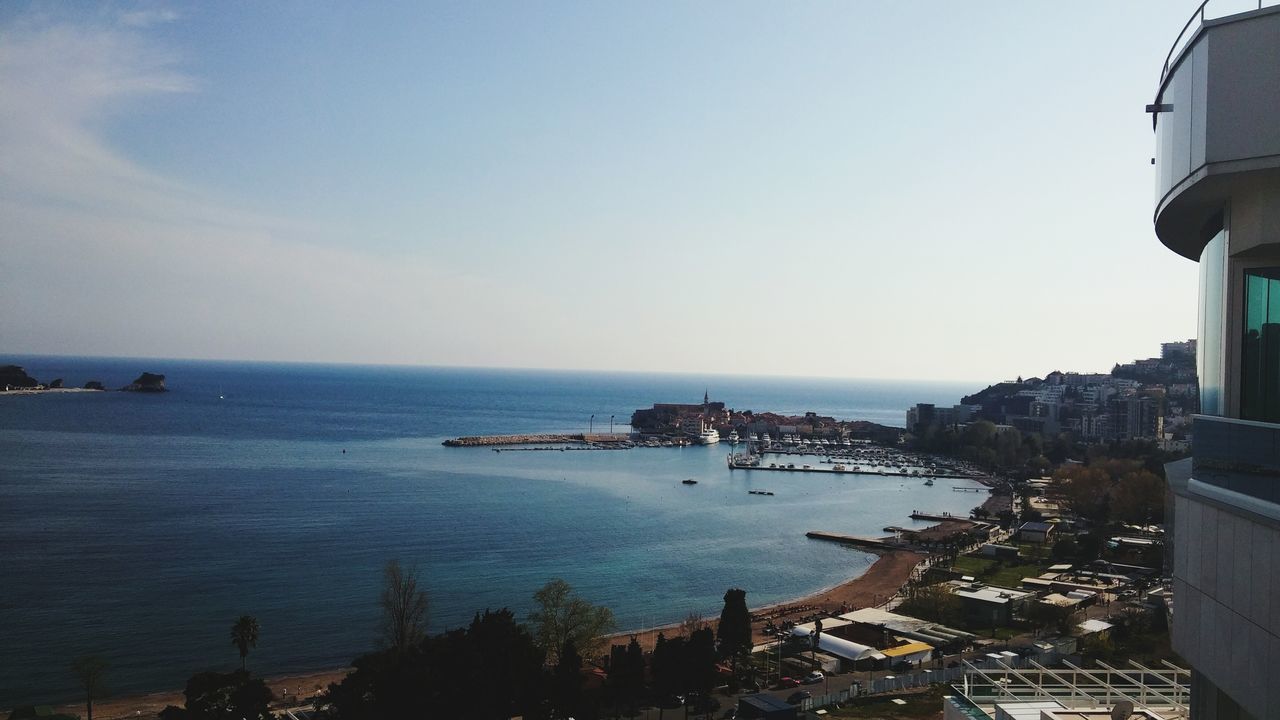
<point x="140" y="526"/>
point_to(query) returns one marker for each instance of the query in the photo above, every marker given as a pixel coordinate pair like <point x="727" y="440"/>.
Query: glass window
<point x="1260" y="354"/>
<point x="1210" y="344"/>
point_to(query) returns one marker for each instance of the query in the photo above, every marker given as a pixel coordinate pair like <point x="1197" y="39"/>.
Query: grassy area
<point x="1007" y="574"/>
<point x="920" y="706"/>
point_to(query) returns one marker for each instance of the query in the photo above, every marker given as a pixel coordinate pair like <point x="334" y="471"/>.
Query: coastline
<point x="881" y="579"/>
<point x="48" y="391"/>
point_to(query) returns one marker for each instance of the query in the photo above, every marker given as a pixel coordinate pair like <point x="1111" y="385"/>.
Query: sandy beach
<point x="885" y="576"/>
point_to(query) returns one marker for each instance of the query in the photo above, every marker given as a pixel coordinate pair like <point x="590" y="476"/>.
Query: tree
<point x="933" y="602"/>
<point x="692" y="623"/>
<point x="244" y="635"/>
<point x="817" y="637"/>
<point x="1086" y="491"/>
<point x="700" y="658"/>
<point x="1138" y="497"/>
<point x="561" y="615"/>
<point x="223" y="696"/>
<point x="509" y="665"/>
<point x="91" y="671"/>
<point x="664" y="665"/>
<point x="568" y="681"/>
<point x="404" y="608"/>
<point x="734" y="630"/>
<point x="491" y="670"/>
<point x="626" y="674"/>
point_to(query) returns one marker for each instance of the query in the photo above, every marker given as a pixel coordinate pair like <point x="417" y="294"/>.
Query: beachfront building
<point x="1218" y="202"/>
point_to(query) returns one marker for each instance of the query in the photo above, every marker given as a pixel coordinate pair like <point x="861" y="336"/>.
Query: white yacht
<point x="733" y="437"/>
<point x="708" y="436"/>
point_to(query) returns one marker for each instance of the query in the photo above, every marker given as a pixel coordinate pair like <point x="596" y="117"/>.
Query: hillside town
<point x="1151" y="399"/>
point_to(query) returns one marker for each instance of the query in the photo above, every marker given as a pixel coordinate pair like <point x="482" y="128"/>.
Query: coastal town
<point x="631" y="361"/>
<point x="1059" y="564"/>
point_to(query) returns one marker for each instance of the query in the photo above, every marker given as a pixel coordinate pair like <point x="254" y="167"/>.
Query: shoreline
<point x="876" y="584"/>
<point x="48" y="391"/>
<point x="883" y="578"/>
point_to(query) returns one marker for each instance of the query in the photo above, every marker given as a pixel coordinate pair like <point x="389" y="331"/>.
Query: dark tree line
<point x="683" y="665"/>
<point x="490" y="669"/>
<point x="495" y="667"/>
<point x="1006" y="450"/>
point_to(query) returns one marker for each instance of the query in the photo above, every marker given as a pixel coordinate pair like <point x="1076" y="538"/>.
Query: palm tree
<point x="244" y="635"/>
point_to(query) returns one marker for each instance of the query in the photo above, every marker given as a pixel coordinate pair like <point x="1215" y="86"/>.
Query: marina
<point x="843" y="465"/>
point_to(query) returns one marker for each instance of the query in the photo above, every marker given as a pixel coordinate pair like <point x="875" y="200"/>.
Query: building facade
<point x="1218" y="202"/>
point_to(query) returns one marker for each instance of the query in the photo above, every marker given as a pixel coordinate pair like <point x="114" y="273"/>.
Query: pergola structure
<point x="1165" y="692"/>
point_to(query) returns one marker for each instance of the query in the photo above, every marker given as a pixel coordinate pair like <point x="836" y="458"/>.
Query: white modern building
<point x="1216" y="115"/>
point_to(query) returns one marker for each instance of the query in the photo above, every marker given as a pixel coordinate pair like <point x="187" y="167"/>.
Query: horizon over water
<point x="140" y="526"/>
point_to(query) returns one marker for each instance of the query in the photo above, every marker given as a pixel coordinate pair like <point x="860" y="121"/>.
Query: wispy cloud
<point x="147" y="18"/>
<point x="102" y="255"/>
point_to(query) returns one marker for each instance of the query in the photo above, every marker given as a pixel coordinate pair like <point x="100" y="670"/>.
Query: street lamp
<point x="610" y="424"/>
<point x="781" y="637"/>
<point x="591" y="424"/>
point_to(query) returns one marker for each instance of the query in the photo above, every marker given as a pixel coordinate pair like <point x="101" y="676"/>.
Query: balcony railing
<point x="1237" y="455"/>
<point x="1220" y="8"/>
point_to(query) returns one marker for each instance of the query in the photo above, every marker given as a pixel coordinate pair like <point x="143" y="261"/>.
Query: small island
<point x="147" y="382"/>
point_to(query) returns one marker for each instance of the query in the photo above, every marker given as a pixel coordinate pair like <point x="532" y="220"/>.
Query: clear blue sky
<point x="867" y="189"/>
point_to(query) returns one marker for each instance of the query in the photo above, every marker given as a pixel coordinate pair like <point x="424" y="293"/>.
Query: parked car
<point x="814" y="677"/>
<point x="797" y="698"/>
<point x="788" y="682"/>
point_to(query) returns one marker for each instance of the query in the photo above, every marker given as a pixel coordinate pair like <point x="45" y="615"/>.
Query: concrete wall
<point x="1227" y="610"/>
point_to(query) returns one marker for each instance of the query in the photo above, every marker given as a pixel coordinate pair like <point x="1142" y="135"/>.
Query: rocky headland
<point x="146" y="382"/>
<point x="13" y="377"/>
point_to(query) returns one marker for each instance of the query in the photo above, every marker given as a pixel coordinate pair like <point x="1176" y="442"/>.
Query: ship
<point x="708" y="436"/>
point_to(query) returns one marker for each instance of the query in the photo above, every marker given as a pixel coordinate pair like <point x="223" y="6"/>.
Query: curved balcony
<point x="1214" y="114"/>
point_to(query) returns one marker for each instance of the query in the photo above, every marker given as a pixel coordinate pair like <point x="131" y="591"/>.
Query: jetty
<point x="857" y="540"/>
<point x="939" y="517"/>
<point x="539" y="439"/>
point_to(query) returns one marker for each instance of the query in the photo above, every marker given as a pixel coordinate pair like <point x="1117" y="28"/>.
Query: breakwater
<point x="536" y="439"/>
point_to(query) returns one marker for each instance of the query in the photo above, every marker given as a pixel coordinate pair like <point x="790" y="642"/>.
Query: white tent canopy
<point x="839" y="647"/>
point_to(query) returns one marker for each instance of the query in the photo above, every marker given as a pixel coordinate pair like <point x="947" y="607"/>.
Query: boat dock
<point x="859" y="541"/>
<point x="939" y="517"/>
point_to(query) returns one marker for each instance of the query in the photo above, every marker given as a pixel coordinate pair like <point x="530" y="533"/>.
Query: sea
<point x="138" y="526"/>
